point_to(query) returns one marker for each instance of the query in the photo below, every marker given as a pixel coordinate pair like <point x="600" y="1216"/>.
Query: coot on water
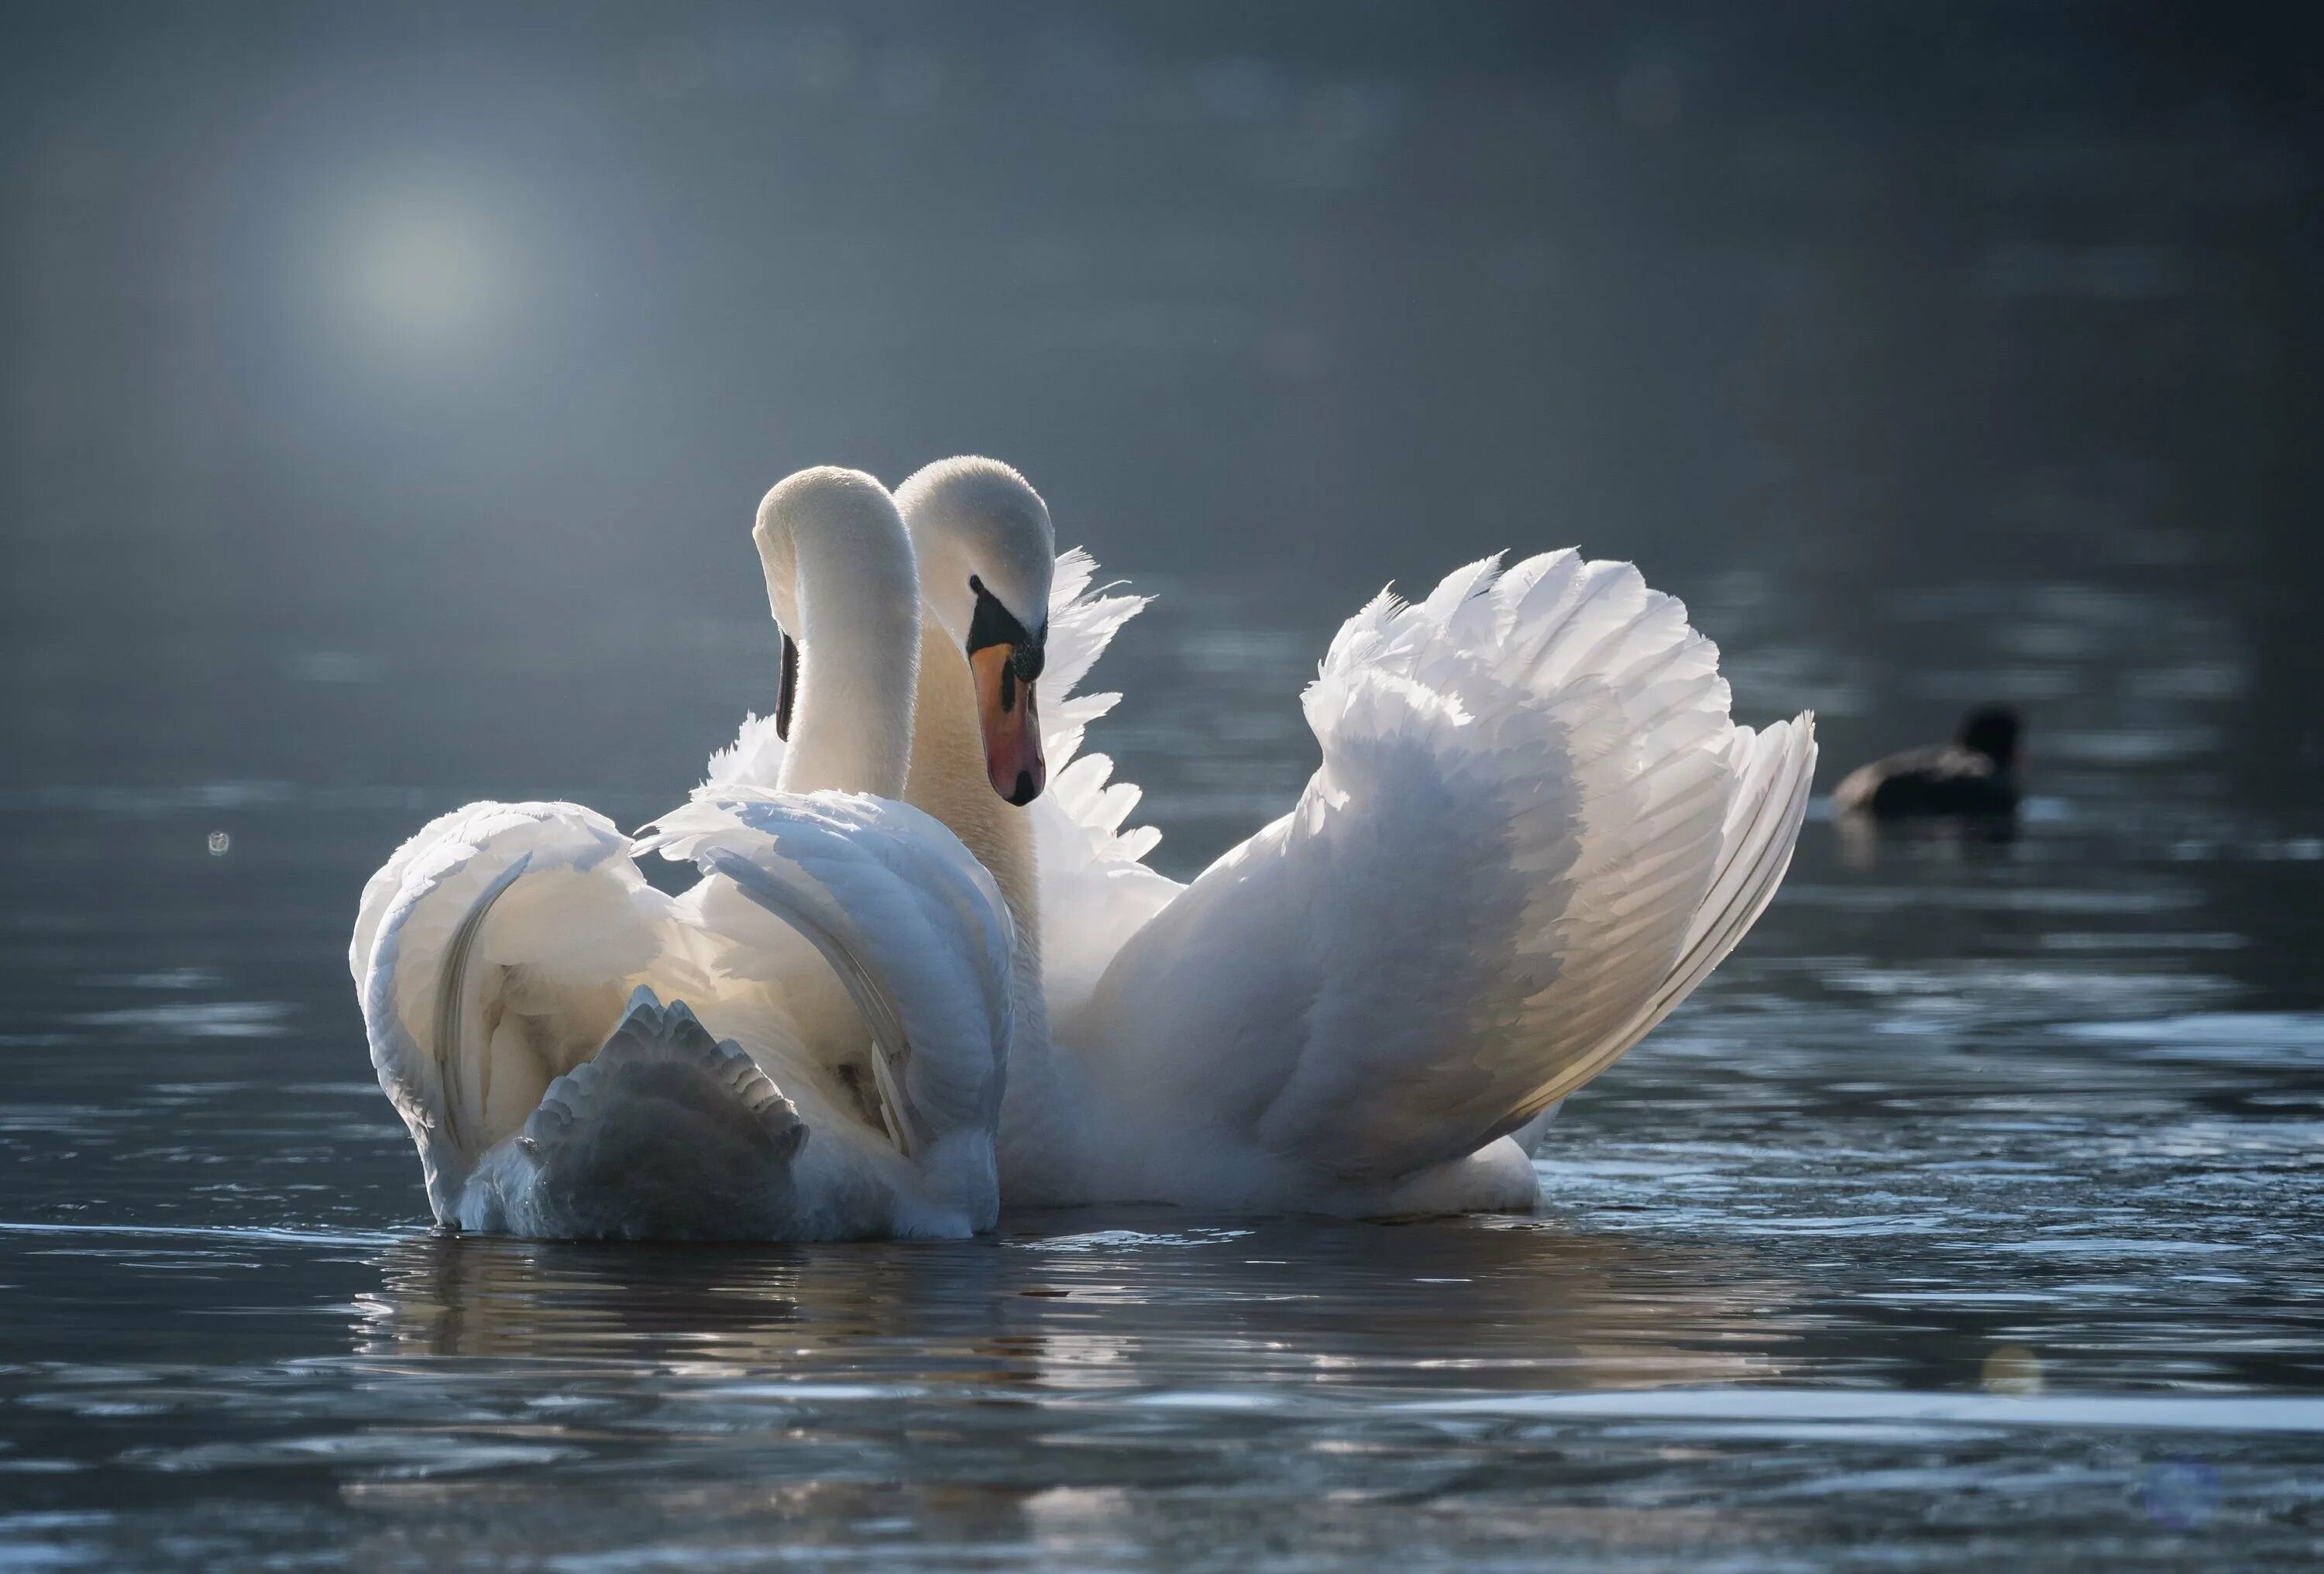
<point x="1974" y="775"/>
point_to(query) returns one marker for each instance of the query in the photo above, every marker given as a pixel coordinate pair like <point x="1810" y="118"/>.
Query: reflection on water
<point x="1865" y="842"/>
<point x="1143" y="1303"/>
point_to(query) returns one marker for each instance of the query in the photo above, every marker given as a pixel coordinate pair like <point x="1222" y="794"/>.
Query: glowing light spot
<point x="419" y="273"/>
<point x="220" y="843"/>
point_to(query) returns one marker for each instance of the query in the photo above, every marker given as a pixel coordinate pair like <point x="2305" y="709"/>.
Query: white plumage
<point x="1093" y="872"/>
<point x="1534" y="832"/>
<point x="578" y="1054"/>
<point x="810" y="1044"/>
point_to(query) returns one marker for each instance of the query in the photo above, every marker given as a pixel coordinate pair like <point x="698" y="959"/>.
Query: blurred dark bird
<point x="1977" y="775"/>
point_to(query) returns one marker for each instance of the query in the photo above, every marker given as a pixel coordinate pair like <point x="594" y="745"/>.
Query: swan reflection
<point x="1053" y="1307"/>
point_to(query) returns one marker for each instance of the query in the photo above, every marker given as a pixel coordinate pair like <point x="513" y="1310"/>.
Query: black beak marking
<point x="1025" y="792"/>
<point x="994" y="625"/>
<point x="787" y="689"/>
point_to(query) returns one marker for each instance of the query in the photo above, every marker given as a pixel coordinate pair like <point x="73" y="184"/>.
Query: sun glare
<point x="419" y="273"/>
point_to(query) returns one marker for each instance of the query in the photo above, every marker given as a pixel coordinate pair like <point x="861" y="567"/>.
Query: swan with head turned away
<point x="808" y="1043"/>
<point x="1534" y="831"/>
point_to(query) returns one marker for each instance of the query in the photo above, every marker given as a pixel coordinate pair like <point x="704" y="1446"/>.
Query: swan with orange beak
<point x="1534" y="828"/>
<point x="987" y="557"/>
<point x="1004" y="658"/>
<point x="984" y="545"/>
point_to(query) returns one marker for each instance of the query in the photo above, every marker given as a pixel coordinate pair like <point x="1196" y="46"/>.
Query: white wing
<point x="1534" y="830"/>
<point x="911" y="924"/>
<point x="1095" y="889"/>
<point x="511" y="988"/>
<point x="494" y="951"/>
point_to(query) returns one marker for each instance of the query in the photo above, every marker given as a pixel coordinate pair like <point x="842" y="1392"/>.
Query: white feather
<point x="755" y="757"/>
<point x="569" y="1047"/>
<point x="1534" y="830"/>
<point x="1095" y="889"/>
<point x="553" y="980"/>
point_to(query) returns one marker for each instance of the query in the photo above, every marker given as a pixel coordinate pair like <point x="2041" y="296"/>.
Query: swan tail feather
<point x="667" y="1133"/>
<point x="451" y="994"/>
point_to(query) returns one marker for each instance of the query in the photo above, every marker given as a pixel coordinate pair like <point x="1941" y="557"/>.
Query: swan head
<point x="847" y="519"/>
<point x="986" y="552"/>
<point x="840" y="580"/>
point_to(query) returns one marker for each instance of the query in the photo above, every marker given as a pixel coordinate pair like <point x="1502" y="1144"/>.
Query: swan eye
<point x="994" y="625"/>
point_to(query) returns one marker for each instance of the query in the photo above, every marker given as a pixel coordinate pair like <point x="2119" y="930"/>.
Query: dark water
<point x="387" y="391"/>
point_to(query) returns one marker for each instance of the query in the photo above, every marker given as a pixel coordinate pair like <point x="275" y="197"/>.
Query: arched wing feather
<point x="1534" y="830"/>
<point x="1095" y="888"/>
<point x="914" y="926"/>
<point x="498" y="958"/>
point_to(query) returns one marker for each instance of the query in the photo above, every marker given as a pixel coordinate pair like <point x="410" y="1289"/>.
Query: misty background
<point x="388" y="389"/>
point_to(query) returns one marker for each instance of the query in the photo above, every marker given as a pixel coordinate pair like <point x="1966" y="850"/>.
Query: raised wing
<point x="1534" y="830"/>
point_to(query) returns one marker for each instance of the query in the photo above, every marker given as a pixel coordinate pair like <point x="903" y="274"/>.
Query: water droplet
<point x="219" y="843"/>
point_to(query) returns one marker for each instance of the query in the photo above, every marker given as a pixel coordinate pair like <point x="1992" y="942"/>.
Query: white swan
<point x="1534" y="831"/>
<point x="830" y="1059"/>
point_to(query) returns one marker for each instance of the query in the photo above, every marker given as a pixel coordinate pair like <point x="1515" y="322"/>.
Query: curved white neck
<point x="948" y="780"/>
<point x="856" y="595"/>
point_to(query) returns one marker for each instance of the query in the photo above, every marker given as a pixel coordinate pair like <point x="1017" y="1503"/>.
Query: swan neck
<point x="948" y="780"/>
<point x="856" y="592"/>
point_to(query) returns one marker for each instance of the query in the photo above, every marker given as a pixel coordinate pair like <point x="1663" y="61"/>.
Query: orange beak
<point x="1012" y="731"/>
